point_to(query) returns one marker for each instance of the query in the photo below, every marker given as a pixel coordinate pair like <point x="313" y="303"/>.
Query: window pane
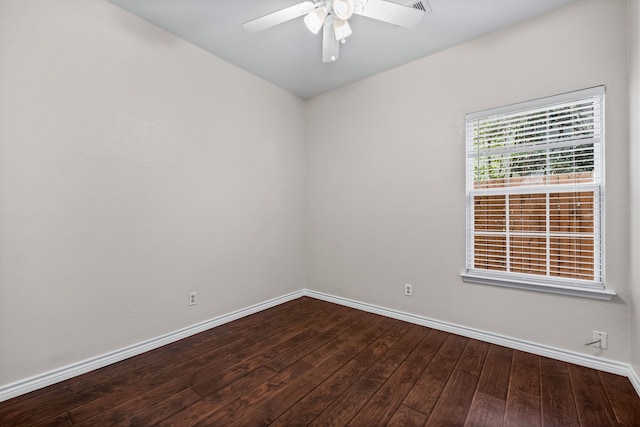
<point x="571" y="178"/>
<point x="573" y="159"/>
<point x="572" y="257"/>
<point x="528" y="254"/>
<point x="490" y="170"/>
<point x="490" y="213"/>
<point x="571" y="212"/>
<point x="528" y="213"/>
<point x="529" y="163"/>
<point x="490" y="253"/>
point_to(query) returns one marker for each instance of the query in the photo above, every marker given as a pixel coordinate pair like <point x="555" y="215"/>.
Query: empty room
<point x="328" y="212"/>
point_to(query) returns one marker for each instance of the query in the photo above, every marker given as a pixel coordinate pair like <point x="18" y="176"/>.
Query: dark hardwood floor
<point x="309" y="362"/>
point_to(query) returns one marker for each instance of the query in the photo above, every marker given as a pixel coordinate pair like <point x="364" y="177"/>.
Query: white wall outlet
<point x="408" y="290"/>
<point x="602" y="336"/>
<point x="193" y="298"/>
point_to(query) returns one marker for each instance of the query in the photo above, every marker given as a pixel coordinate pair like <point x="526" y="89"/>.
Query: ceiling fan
<point x="332" y="17"/>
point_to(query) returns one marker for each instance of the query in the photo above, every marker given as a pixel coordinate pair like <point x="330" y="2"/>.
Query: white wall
<point x="385" y="172"/>
<point x="134" y="168"/>
<point x="633" y="15"/>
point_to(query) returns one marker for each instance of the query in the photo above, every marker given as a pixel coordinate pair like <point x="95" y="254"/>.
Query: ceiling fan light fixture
<point x="331" y="16"/>
<point x="315" y="19"/>
<point x="343" y="9"/>
<point x="358" y="5"/>
<point x="342" y="29"/>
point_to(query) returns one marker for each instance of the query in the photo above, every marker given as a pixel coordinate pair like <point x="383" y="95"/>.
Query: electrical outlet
<point x="407" y="290"/>
<point x="193" y="298"/>
<point x="602" y="336"/>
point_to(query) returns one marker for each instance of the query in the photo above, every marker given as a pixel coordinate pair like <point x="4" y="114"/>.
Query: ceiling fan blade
<point x="330" y="46"/>
<point x="279" y="17"/>
<point x="392" y="13"/>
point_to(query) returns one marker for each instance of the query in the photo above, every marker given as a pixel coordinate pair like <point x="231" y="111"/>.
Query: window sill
<point x="601" y="294"/>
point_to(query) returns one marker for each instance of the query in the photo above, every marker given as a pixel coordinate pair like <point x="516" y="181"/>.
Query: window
<point x="535" y="175"/>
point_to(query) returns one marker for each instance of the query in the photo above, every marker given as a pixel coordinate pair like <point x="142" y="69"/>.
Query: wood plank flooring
<point x="309" y="362"/>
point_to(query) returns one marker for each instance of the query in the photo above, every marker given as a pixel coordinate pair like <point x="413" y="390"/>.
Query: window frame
<point x="537" y="282"/>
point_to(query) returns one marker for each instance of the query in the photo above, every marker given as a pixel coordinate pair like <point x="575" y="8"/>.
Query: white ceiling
<point x="289" y="56"/>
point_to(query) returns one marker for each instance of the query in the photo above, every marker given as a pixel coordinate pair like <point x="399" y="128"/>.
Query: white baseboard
<point x="601" y="364"/>
<point x="30" y="384"/>
<point x="635" y="379"/>
<point x="25" y="386"/>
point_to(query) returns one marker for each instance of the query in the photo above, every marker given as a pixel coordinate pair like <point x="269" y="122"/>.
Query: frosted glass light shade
<point x="315" y="19"/>
<point x="343" y="9"/>
<point x="342" y="29"/>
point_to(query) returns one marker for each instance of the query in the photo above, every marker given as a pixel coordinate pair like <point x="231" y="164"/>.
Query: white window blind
<point x="535" y="179"/>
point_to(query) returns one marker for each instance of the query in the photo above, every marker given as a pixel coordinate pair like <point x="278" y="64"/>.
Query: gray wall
<point x="386" y="178"/>
<point x="134" y="168"/>
<point x="633" y="15"/>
